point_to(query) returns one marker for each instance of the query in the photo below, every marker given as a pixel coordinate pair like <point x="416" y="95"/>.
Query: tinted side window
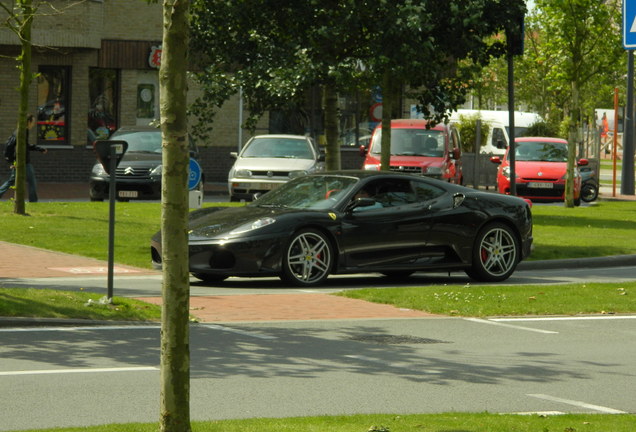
<point x="426" y="192"/>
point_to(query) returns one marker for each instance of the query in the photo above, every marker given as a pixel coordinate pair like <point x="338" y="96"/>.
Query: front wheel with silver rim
<point x="495" y="254"/>
<point x="307" y="258"/>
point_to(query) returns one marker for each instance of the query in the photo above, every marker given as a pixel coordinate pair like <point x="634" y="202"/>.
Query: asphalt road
<point x="150" y="286"/>
<point x="63" y="377"/>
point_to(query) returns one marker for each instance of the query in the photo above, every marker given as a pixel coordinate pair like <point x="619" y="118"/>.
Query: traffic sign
<point x="194" y="175"/>
<point x="629" y="24"/>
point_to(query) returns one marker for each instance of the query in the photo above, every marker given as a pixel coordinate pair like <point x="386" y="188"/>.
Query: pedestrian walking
<point x="30" y="172"/>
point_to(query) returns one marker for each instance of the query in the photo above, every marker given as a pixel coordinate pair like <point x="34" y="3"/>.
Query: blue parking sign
<point x="194" y="174"/>
<point x="629" y="24"/>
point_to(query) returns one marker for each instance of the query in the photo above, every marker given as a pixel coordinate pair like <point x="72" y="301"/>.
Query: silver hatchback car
<point x="267" y="161"/>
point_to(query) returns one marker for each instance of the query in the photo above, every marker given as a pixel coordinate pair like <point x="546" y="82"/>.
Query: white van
<point x="499" y="136"/>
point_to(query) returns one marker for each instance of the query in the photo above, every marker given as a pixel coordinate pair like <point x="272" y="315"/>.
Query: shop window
<point x="146" y="101"/>
<point x="102" y="113"/>
<point x="53" y="105"/>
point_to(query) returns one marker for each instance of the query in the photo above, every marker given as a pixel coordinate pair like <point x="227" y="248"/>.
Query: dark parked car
<point x="360" y="221"/>
<point x="139" y="172"/>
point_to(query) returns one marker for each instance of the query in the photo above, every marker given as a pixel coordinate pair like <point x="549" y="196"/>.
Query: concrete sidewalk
<point x="26" y="262"/>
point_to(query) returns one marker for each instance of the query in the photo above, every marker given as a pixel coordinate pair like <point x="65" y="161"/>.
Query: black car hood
<point x="215" y="221"/>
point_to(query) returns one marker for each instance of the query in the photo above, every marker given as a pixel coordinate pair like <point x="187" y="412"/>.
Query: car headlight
<point x="506" y="173"/>
<point x="299" y="173"/>
<point x="156" y="171"/>
<point x="435" y="170"/>
<point x="243" y="173"/>
<point x="259" y="223"/>
<point x="98" y="170"/>
<point x="372" y="167"/>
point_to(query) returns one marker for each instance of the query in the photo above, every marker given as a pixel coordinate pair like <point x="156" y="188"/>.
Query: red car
<point x="417" y="149"/>
<point x="540" y="170"/>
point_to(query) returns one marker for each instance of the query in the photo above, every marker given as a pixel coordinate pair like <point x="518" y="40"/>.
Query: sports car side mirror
<point x="583" y="162"/>
<point x="360" y="202"/>
<point x="495" y="159"/>
<point x="233" y="155"/>
<point x="363" y="150"/>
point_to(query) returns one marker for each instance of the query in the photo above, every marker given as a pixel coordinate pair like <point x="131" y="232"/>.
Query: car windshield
<point x="278" y="147"/>
<point x="308" y="192"/>
<point x="412" y="142"/>
<point x="141" y="142"/>
<point x="541" y="151"/>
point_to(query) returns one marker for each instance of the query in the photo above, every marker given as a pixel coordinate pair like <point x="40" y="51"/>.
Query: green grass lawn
<point x="40" y="303"/>
<point x="606" y="228"/>
<point x="447" y="422"/>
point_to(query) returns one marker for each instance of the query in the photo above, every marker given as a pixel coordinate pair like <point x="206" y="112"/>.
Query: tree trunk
<point x="330" y="107"/>
<point x="175" y="332"/>
<point x="387" y="110"/>
<point x="23" y="108"/>
<point x="572" y="141"/>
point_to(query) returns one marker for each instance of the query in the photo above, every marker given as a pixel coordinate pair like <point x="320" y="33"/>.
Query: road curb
<point x="596" y="262"/>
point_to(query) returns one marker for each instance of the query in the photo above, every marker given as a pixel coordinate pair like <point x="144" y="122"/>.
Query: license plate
<point x="128" y="194"/>
<point x="268" y="186"/>
<point x="541" y="185"/>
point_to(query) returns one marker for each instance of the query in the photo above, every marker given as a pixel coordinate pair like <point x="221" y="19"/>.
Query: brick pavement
<point x="30" y="262"/>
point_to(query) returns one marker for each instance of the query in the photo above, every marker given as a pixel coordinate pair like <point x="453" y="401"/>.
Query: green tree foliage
<point x="467" y="127"/>
<point x="277" y="50"/>
<point x="573" y="58"/>
<point x="577" y="45"/>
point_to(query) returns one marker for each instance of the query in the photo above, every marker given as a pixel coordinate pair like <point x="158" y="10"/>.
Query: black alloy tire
<point x="307" y="258"/>
<point x="496" y="253"/>
<point x="589" y="192"/>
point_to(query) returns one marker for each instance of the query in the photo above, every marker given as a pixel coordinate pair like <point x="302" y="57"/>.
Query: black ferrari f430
<point x="360" y="222"/>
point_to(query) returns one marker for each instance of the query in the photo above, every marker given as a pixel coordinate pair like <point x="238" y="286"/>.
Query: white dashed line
<point x="580" y="404"/>
<point x="572" y="318"/>
<point x="493" y="322"/>
<point x="79" y="370"/>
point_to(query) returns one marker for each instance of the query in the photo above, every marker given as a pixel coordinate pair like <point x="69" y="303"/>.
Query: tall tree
<point x="175" y="333"/>
<point x="433" y="48"/>
<point x="581" y="39"/>
<point x="277" y="51"/>
<point x="20" y="20"/>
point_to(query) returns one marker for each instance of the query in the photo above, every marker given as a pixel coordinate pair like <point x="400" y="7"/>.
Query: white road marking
<point x="390" y="364"/>
<point x="79" y="370"/>
<point x="540" y="413"/>
<point x="572" y="318"/>
<point x="78" y="328"/>
<point x="580" y="404"/>
<point x="493" y="322"/>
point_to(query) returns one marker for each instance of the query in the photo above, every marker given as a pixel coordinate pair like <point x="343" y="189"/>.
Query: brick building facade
<point x="97" y="70"/>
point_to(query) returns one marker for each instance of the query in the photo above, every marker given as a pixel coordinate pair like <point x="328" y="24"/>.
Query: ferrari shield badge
<point x="333" y="216"/>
